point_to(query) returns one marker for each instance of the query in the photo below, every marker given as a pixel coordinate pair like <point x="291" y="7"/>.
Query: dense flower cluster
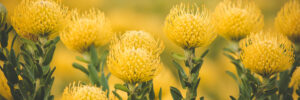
<point x="77" y="91"/>
<point x="236" y="19"/>
<point x="33" y="18"/>
<point x="84" y="30"/>
<point x="267" y="53"/>
<point x="189" y="26"/>
<point x="288" y="20"/>
<point x="135" y="57"/>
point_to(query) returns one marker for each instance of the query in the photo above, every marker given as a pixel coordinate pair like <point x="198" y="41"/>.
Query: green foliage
<point x="29" y="70"/>
<point x="190" y="81"/>
<point x="95" y="68"/>
<point x="142" y="91"/>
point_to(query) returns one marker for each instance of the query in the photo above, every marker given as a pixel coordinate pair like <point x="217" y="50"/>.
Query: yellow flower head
<point x="266" y="53"/>
<point x="189" y="27"/>
<point x="288" y="20"/>
<point x="4" y="89"/>
<point x="295" y="81"/>
<point x="84" y="30"/>
<point x="83" y="92"/>
<point x="134" y="57"/>
<point x="235" y="19"/>
<point x="33" y="18"/>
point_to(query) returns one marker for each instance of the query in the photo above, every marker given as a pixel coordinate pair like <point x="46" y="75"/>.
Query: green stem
<point x="132" y="95"/>
<point x="191" y="93"/>
<point x="261" y="89"/>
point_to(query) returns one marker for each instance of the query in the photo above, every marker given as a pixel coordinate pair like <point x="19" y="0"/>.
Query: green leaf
<point x="229" y="56"/>
<point x="81" y="68"/>
<point x="117" y="95"/>
<point x="4" y="39"/>
<point x="182" y="80"/>
<point x="12" y="58"/>
<point x="196" y="68"/>
<point x="49" y="55"/>
<point x="178" y="66"/>
<point x="232" y="75"/>
<point x="103" y="60"/>
<point x="93" y="75"/>
<point x="175" y="93"/>
<point x="204" y="54"/>
<point x="160" y="94"/>
<point x="121" y="87"/>
<point x="178" y="56"/>
<point x="229" y="50"/>
<point x="82" y="59"/>
<point x="202" y="98"/>
<point x="270" y="92"/>
<point x="10" y="74"/>
<point x="2" y="56"/>
<point x="94" y="57"/>
<point x="104" y="82"/>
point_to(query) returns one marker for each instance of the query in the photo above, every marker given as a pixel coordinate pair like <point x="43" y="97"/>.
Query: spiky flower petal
<point x="33" y="18"/>
<point x="267" y="53"/>
<point x="235" y="19"/>
<point x="288" y="20"/>
<point x="77" y="91"/>
<point x="189" y="26"/>
<point x="134" y="57"/>
<point x="84" y="30"/>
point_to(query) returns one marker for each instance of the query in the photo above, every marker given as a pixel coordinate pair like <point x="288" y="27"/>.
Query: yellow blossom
<point x="33" y="18"/>
<point x="134" y="57"/>
<point x="77" y="91"/>
<point x="288" y="20"/>
<point x="235" y="19"/>
<point x="189" y="27"/>
<point x="4" y="89"/>
<point x="84" y="30"/>
<point x="267" y="53"/>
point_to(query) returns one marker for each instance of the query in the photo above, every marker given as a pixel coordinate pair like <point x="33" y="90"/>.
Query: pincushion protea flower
<point x="235" y="19"/>
<point x="189" y="26"/>
<point x="288" y="20"/>
<point x="134" y="57"/>
<point x="267" y="53"/>
<point x="84" y="30"/>
<point x="4" y="89"/>
<point x="77" y="91"/>
<point x="33" y="18"/>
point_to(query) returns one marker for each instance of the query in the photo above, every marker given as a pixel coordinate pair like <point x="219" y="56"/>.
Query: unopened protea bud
<point x="235" y="19"/>
<point x="288" y="20"/>
<point x="267" y="53"/>
<point x="134" y="57"/>
<point x="84" y="30"/>
<point x="77" y="91"/>
<point x="34" y="18"/>
<point x="189" y="26"/>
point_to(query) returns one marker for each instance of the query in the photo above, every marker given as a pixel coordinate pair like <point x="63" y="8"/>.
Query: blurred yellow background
<point x="149" y="15"/>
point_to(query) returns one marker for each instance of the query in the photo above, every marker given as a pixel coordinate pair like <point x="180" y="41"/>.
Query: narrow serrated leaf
<point x="121" y="87"/>
<point x="81" y="68"/>
<point x="175" y="93"/>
